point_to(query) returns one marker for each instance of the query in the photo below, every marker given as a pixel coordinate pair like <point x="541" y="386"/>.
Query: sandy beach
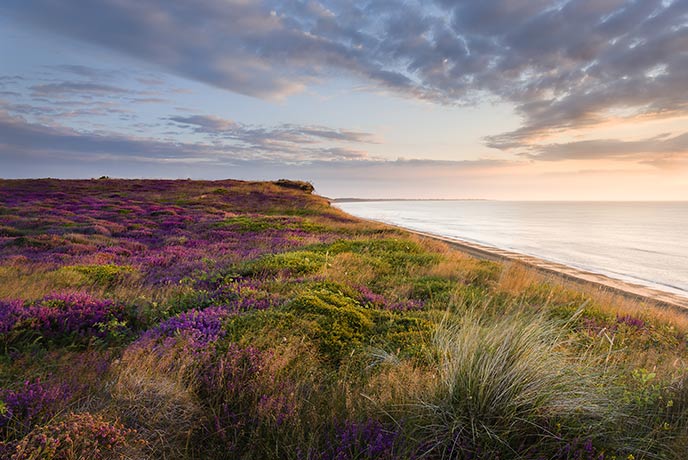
<point x="630" y="290"/>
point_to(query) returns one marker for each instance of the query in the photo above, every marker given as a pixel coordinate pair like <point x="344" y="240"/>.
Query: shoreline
<point x="626" y="289"/>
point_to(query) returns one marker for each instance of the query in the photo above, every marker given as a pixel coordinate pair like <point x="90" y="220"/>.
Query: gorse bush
<point x="340" y="323"/>
<point x="432" y="288"/>
<point x="100" y="275"/>
<point x="296" y="184"/>
<point x="290" y="263"/>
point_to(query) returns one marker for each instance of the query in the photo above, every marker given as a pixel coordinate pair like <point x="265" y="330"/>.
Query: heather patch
<point x="369" y="440"/>
<point x="197" y="327"/>
<point x="78" y="436"/>
<point x="60" y="318"/>
<point x="33" y="402"/>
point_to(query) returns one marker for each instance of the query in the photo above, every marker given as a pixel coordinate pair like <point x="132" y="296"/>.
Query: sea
<point x="644" y="243"/>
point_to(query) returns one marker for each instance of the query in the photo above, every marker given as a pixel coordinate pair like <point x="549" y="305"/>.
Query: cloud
<point x="76" y="88"/>
<point x="4" y="79"/>
<point x="214" y="41"/>
<point x="35" y="143"/>
<point x="83" y="71"/>
<point x="35" y="150"/>
<point x="92" y="92"/>
<point x="297" y="140"/>
<point x="659" y="150"/>
<point x="564" y="65"/>
<point x="205" y="123"/>
<point x="20" y="138"/>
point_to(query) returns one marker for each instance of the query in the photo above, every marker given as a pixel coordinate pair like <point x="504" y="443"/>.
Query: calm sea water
<point x="641" y="242"/>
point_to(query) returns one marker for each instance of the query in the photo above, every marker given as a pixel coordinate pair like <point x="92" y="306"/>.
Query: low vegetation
<point x="228" y="319"/>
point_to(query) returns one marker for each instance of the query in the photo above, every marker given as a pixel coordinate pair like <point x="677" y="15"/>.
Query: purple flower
<point x="200" y="327"/>
<point x="631" y="320"/>
<point x="380" y="301"/>
<point x="368" y="440"/>
<point x="57" y="316"/>
<point x="34" y="402"/>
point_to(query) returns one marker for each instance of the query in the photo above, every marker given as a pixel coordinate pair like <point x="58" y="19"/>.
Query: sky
<point x="494" y="99"/>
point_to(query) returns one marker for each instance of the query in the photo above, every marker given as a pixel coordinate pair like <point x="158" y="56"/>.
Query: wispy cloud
<point x="208" y="124"/>
<point x="20" y="138"/>
<point x="89" y="72"/>
<point x="81" y="93"/>
<point x="291" y="133"/>
<point x="660" y="150"/>
<point x="76" y="88"/>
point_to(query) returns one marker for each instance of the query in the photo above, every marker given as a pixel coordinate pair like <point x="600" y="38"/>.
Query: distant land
<point x="362" y="200"/>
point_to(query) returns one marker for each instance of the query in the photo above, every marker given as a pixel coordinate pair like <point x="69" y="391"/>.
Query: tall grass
<point x="153" y="394"/>
<point x="506" y="387"/>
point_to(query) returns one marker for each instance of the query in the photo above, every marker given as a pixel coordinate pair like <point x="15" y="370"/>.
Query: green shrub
<point x="376" y="247"/>
<point x="432" y="288"/>
<point x="296" y="185"/>
<point x="247" y="224"/>
<point x="293" y="263"/>
<point x="390" y="255"/>
<point x="151" y="312"/>
<point x="39" y="242"/>
<point x="406" y="335"/>
<point x="11" y="231"/>
<point x="259" y="328"/>
<point x="484" y="273"/>
<point x="309" y="226"/>
<point x="100" y="275"/>
<point x="339" y="323"/>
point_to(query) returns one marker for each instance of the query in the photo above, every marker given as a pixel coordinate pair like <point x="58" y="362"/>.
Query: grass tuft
<point x="507" y="385"/>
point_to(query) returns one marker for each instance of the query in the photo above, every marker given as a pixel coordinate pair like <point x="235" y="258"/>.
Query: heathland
<point x="227" y="319"/>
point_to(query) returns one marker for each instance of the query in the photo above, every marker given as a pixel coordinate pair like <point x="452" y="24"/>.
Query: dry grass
<point x="617" y="304"/>
<point x="31" y="282"/>
<point x="399" y="383"/>
<point x="350" y="268"/>
<point x="158" y="402"/>
<point x="518" y="279"/>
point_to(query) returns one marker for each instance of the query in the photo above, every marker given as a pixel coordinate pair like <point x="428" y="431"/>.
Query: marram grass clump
<point x="508" y="385"/>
